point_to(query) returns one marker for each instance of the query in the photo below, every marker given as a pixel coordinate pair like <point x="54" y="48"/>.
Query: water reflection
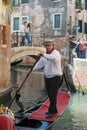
<point x="75" y="116"/>
<point x="33" y="88"/>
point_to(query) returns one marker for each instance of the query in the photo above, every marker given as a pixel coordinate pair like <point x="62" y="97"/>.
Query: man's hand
<point x="40" y="54"/>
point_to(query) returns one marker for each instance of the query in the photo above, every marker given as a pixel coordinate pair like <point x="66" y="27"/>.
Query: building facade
<point x="55" y="18"/>
<point x="77" y="12"/>
<point x="46" y="16"/>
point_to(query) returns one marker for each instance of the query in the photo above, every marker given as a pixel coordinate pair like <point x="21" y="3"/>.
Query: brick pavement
<point x="80" y="72"/>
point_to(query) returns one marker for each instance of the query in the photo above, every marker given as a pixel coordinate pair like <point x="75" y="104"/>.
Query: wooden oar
<point x="67" y="84"/>
<point x="23" y="82"/>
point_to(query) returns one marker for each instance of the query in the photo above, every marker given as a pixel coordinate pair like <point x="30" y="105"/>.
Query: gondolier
<point x="51" y="62"/>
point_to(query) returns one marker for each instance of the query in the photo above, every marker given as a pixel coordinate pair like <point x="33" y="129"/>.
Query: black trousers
<point x="52" y="85"/>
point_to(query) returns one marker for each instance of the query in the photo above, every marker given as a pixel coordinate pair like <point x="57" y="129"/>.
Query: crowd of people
<point x="25" y="34"/>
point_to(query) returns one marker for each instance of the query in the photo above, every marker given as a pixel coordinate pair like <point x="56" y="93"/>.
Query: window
<point x="56" y="23"/>
<point x="85" y="28"/>
<point x="80" y="25"/>
<point x="56" y="0"/>
<point x="16" y="23"/>
<point x="24" y="19"/>
<point x="16" y="2"/>
<point x="24" y="1"/>
<point x="86" y="4"/>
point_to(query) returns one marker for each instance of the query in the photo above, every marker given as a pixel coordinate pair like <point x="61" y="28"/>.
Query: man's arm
<point x="39" y="64"/>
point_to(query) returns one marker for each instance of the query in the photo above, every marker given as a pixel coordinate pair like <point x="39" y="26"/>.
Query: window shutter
<point x="24" y="1"/>
<point x="57" y="21"/>
<point x="86" y="4"/>
<point x="80" y="25"/>
<point x="16" y="23"/>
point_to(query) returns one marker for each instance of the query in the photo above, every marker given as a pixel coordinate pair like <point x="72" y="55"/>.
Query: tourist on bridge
<point x="51" y="62"/>
<point x="25" y="34"/>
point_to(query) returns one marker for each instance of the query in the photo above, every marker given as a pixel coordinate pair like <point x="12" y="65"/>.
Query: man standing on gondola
<point x="51" y="62"/>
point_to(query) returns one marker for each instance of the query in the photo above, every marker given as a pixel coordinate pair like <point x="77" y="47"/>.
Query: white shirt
<point x="51" y="64"/>
<point x="27" y="30"/>
<point x="22" y="30"/>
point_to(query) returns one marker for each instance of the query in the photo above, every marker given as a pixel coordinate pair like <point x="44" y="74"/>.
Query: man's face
<point x="49" y="47"/>
<point x="25" y="24"/>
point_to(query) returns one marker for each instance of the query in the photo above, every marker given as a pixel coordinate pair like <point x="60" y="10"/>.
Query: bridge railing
<point x="62" y="44"/>
<point x="37" y="39"/>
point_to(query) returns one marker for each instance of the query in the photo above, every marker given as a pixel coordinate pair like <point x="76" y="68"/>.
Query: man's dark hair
<point x="24" y="22"/>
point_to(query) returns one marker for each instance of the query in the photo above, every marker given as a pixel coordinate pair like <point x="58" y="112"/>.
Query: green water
<point x="74" y="117"/>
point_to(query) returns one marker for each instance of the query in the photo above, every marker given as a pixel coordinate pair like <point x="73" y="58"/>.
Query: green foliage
<point x="9" y="9"/>
<point x="6" y="2"/>
<point x="79" y="4"/>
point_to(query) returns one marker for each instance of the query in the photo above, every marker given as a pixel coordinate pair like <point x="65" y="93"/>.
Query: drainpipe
<point x="83" y="25"/>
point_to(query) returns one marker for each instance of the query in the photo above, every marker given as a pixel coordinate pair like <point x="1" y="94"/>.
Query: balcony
<point x="78" y="5"/>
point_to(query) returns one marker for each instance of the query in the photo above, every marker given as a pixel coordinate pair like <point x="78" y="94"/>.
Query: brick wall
<point x="4" y="55"/>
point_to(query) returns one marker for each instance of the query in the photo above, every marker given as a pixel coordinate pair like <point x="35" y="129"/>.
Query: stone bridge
<point x="19" y="52"/>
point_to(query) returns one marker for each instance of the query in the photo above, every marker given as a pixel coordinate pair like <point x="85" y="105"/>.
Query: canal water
<point x="33" y="90"/>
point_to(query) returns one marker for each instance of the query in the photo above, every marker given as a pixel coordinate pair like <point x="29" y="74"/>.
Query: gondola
<point x="16" y="62"/>
<point x="33" y="118"/>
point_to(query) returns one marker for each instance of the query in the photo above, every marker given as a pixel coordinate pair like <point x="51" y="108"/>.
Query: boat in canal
<point x="33" y="118"/>
<point x="16" y="62"/>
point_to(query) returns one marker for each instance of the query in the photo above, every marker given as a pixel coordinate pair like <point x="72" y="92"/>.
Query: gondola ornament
<point x="5" y="110"/>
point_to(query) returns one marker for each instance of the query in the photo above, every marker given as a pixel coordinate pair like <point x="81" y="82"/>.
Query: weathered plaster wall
<point x="41" y="16"/>
<point x="41" y="13"/>
<point x="71" y="12"/>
